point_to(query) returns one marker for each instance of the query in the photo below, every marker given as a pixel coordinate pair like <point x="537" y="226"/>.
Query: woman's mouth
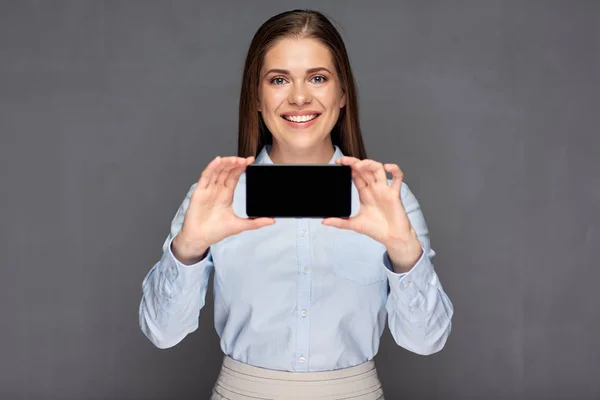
<point x="300" y="121"/>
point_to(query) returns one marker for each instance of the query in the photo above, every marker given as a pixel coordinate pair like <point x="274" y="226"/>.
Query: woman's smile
<point x="301" y="120"/>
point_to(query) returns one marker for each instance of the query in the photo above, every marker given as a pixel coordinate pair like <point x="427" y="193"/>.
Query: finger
<point x="347" y="160"/>
<point x="234" y="174"/>
<point x="379" y="171"/>
<point x="228" y="166"/>
<point x="226" y="163"/>
<point x="207" y="175"/>
<point x="397" y="176"/>
<point x="359" y="182"/>
<point x="233" y="177"/>
<point x="376" y="169"/>
<point x="340" y="223"/>
<point x="365" y="172"/>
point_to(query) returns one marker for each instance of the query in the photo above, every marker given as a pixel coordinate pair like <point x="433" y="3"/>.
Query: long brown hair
<point x="252" y="131"/>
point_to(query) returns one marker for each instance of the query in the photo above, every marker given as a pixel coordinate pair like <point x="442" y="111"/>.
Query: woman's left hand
<point x="381" y="215"/>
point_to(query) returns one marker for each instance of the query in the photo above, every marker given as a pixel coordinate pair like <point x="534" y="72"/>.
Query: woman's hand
<point x="381" y="215"/>
<point x="210" y="217"/>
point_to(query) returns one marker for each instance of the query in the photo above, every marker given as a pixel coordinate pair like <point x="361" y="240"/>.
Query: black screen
<point x="309" y="191"/>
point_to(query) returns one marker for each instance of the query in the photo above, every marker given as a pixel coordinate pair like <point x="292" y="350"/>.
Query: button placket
<point x="304" y="293"/>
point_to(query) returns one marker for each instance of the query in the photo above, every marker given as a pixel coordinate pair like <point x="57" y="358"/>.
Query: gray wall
<point x="109" y="110"/>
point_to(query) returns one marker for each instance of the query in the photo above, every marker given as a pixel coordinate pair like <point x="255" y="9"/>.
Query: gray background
<point x="109" y="111"/>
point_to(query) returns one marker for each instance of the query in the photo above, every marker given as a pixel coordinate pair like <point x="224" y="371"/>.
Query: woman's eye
<point x="319" y="79"/>
<point x="278" y="81"/>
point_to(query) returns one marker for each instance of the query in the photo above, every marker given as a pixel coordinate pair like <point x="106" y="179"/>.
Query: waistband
<point x="242" y="381"/>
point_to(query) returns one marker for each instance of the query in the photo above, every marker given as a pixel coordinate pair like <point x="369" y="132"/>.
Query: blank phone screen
<point x="300" y="191"/>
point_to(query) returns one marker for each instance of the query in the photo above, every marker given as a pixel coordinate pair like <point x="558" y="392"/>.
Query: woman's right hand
<point x="210" y="217"/>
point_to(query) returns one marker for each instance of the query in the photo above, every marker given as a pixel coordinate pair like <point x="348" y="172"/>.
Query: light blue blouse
<point x="298" y="295"/>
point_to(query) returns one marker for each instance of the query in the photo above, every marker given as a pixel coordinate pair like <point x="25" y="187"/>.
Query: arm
<point x="173" y="293"/>
<point x="419" y="311"/>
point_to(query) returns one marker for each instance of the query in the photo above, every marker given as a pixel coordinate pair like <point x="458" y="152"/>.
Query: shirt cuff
<point x="412" y="285"/>
<point x="185" y="275"/>
<point x="169" y="278"/>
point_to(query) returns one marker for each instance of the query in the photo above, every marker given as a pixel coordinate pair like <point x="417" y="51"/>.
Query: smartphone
<point x="298" y="190"/>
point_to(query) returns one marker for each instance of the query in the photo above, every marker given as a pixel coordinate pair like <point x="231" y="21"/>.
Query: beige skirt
<point x="239" y="381"/>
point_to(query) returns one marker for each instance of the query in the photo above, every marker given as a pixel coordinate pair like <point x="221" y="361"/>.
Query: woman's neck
<point x="319" y="155"/>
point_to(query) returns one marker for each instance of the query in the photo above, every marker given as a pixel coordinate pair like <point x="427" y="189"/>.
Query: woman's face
<point x="300" y="95"/>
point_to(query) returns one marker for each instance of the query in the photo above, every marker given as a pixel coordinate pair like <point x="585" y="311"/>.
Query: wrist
<point x="187" y="252"/>
<point x="404" y="255"/>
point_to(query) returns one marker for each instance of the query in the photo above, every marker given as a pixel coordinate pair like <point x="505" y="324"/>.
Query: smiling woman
<point x="297" y="66"/>
<point x="300" y="304"/>
<point x="300" y="99"/>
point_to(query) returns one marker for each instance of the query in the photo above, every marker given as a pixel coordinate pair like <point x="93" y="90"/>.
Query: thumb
<point x="337" y="223"/>
<point x="255" y="223"/>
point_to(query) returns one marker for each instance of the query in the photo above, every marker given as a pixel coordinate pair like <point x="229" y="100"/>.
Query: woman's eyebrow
<point x="286" y="72"/>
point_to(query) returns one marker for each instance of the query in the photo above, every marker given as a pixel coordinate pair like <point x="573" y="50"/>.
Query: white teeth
<point x="300" y="118"/>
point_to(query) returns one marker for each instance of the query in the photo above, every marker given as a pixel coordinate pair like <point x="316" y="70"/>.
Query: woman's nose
<point x="299" y="95"/>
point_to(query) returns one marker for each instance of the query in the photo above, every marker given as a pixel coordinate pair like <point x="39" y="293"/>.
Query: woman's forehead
<point x="297" y="55"/>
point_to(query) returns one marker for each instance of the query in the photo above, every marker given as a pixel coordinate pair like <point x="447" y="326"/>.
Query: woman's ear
<point x="343" y="100"/>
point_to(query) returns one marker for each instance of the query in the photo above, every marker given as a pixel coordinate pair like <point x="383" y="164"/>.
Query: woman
<point x="300" y="304"/>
